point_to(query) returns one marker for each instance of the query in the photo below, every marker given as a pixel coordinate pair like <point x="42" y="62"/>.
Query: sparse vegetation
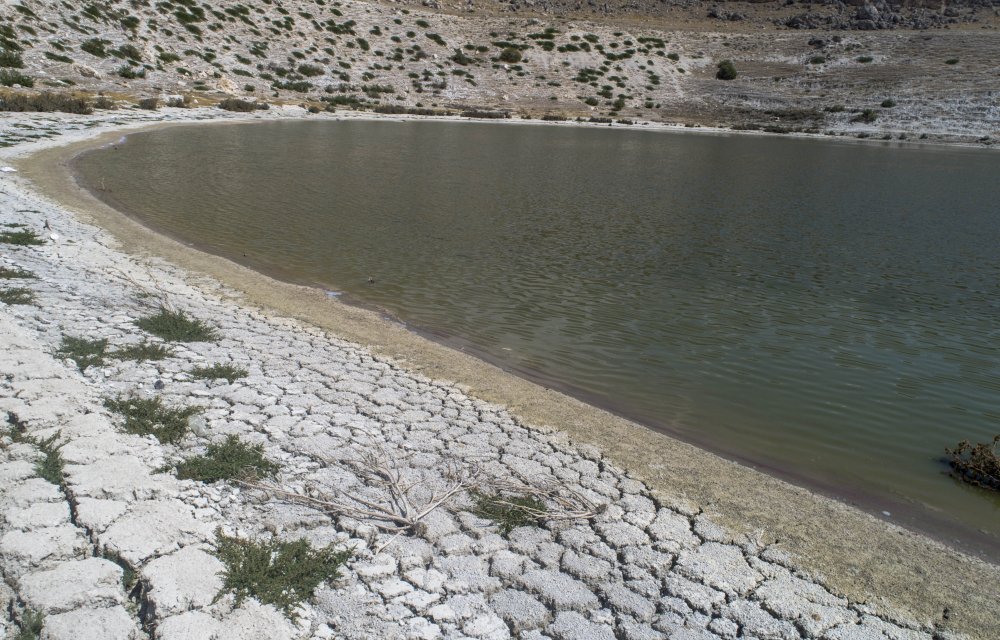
<point x="227" y="461"/>
<point x="176" y="326"/>
<point x="142" y="352"/>
<point x="864" y="59"/>
<point x="866" y="116"/>
<point x="17" y="295"/>
<point x="30" y="625"/>
<point x="11" y="59"/>
<point x="50" y="467"/>
<point x="275" y="572"/>
<point x="45" y="102"/>
<point x="9" y="78"/>
<point x="85" y="353"/>
<point x="131" y="73"/>
<point x="11" y="274"/>
<point x="235" y="104"/>
<point x="508" y="512"/>
<point x="977" y="464"/>
<point x="95" y="47"/>
<point x="510" y="55"/>
<point x="149" y="104"/>
<point x="888" y="103"/>
<point x="229" y="372"/>
<point x="951" y="61"/>
<point x="148" y="416"/>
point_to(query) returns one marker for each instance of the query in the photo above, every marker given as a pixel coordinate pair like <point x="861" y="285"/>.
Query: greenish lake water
<point x="827" y="312"/>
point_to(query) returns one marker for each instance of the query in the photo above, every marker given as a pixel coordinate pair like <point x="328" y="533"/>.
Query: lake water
<point x="826" y="311"/>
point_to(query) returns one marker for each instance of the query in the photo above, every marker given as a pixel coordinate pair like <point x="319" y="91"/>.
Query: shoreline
<point x="927" y="576"/>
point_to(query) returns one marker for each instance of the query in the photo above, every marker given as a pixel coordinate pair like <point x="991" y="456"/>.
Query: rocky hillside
<point x="354" y="54"/>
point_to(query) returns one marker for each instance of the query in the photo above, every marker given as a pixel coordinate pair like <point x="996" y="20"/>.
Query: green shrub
<point x="11" y="59"/>
<point x="235" y="104"/>
<point x="143" y="352"/>
<point x="229" y="372"/>
<point x="50" y="467"/>
<point x="951" y="61"/>
<point x="22" y="238"/>
<point x="176" y="326"/>
<point x="166" y="56"/>
<point x="30" y="625"/>
<point x="95" y="47"/>
<point x="511" y="55"/>
<point x="864" y="59"/>
<point x="727" y="70"/>
<point x="58" y="57"/>
<point x="9" y="78"/>
<point x="508" y="512"/>
<point x="10" y="274"/>
<point x="131" y="73"/>
<point x="311" y="70"/>
<point x="85" y="353"/>
<point x="149" y="104"/>
<point x="282" y="574"/>
<point x="888" y="103"/>
<point x="812" y="60"/>
<point x="17" y="295"/>
<point x="45" y="102"/>
<point x="867" y="116"/>
<point x="148" y="416"/>
<point x="227" y="461"/>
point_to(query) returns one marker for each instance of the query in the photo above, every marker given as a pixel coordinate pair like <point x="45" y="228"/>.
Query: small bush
<point x="17" y="295"/>
<point x="143" y="352"/>
<point x="85" y="353"/>
<point x="511" y="55"/>
<point x="229" y="372"/>
<point x="727" y="70"/>
<point x="279" y="573"/>
<point x="888" y="103"/>
<point x="864" y="59"/>
<point x="11" y="59"/>
<point x="9" y="78"/>
<point x="176" y="326"/>
<point x="867" y="116"/>
<point x="812" y="60"/>
<point x="149" y="104"/>
<point x="148" y="416"/>
<point x="227" y="461"/>
<point x="10" y="274"/>
<point x="489" y="115"/>
<point x="45" y="102"/>
<point x="508" y="512"/>
<point x="976" y="464"/>
<point x="30" y="625"/>
<point x="951" y="61"/>
<point x="95" y="47"/>
<point x="179" y="102"/>
<point x="311" y="70"/>
<point x="235" y="104"/>
<point x="104" y="102"/>
<point x="50" y="467"/>
<point x="131" y="73"/>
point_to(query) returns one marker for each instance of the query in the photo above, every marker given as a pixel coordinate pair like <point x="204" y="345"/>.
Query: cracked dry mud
<point x="641" y="569"/>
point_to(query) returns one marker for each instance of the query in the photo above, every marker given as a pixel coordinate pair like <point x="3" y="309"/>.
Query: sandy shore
<point x="688" y="544"/>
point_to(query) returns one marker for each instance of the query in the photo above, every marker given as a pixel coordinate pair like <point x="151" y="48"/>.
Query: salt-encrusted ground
<point x="642" y="568"/>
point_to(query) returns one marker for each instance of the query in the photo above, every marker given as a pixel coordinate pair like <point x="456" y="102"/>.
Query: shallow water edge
<point x="847" y="546"/>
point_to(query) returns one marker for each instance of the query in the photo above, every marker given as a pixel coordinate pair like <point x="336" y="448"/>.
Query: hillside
<point x="655" y="62"/>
